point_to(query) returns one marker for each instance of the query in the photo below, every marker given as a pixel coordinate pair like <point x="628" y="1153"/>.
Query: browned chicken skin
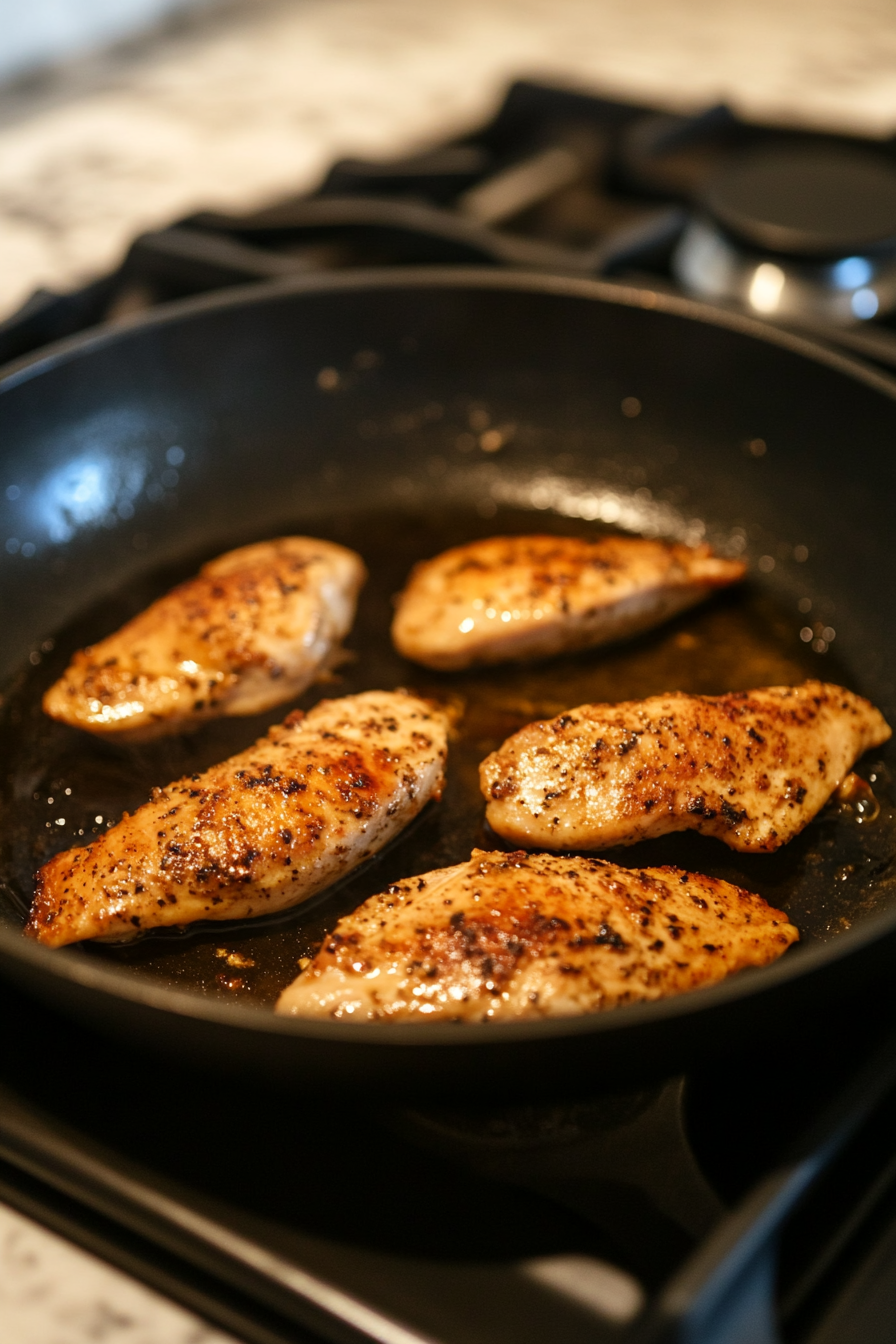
<point x="252" y="630"/>
<point x="533" y="596"/>
<point x="751" y="767"/>
<point x="508" y="936"/>
<point x="259" y="832"/>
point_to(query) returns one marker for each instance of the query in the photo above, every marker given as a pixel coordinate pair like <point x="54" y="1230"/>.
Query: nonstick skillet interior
<point x="400" y="414"/>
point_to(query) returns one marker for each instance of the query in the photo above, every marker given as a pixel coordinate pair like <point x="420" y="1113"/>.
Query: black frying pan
<point x="355" y="408"/>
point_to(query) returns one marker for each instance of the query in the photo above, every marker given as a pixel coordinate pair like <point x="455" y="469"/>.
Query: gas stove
<point x="792" y="226"/>
<point x="753" y="1201"/>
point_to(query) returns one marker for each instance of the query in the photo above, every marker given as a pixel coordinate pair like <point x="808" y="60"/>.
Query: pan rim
<point x="95" y="977"/>
<point x="20" y="370"/>
<point x="746" y="985"/>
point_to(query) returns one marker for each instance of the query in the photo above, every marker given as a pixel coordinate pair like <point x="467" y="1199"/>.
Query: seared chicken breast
<point x="751" y="767"/>
<point x="530" y="597"/>
<point x="509" y="936"/>
<point x="259" y="832"/>
<point x="253" y="629"/>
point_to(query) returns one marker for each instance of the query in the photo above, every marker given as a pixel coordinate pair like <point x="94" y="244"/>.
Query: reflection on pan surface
<point x="63" y="786"/>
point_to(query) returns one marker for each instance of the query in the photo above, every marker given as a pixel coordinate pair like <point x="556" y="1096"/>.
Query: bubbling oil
<point x="62" y="786"/>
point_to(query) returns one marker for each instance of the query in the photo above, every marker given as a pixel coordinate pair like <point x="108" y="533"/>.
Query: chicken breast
<point x="530" y="597"/>
<point x="257" y="833"/>
<point x="252" y="630"/>
<point x="751" y="768"/>
<point x="508" y="936"/>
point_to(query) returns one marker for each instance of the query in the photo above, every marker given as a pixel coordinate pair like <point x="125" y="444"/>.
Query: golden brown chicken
<point x="751" y="767"/>
<point x="508" y="936"/>
<point x="533" y="596"/>
<point x="259" y="832"/>
<point x="252" y="630"/>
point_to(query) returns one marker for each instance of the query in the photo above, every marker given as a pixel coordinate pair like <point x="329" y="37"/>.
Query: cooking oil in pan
<point x="62" y="786"/>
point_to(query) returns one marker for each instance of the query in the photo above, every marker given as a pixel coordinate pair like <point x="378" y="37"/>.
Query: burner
<point x="823" y="203"/>
<point x="796" y="235"/>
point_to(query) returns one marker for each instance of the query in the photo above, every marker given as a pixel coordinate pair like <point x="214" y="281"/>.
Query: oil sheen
<point x="61" y="786"/>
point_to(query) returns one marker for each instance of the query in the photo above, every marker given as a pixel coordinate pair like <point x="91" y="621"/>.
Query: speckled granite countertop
<point x="54" y="1293"/>
<point x="250" y="101"/>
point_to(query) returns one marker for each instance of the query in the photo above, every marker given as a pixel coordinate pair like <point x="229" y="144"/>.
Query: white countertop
<point x="54" y="1293"/>
<point x="251" y="101"/>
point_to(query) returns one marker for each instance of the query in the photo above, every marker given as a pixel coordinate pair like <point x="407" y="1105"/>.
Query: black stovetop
<point x="559" y="181"/>
<point x="753" y="1201"/>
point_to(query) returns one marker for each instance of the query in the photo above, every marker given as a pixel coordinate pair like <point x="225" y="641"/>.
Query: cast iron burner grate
<point x="564" y="182"/>
<point x="753" y="1203"/>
